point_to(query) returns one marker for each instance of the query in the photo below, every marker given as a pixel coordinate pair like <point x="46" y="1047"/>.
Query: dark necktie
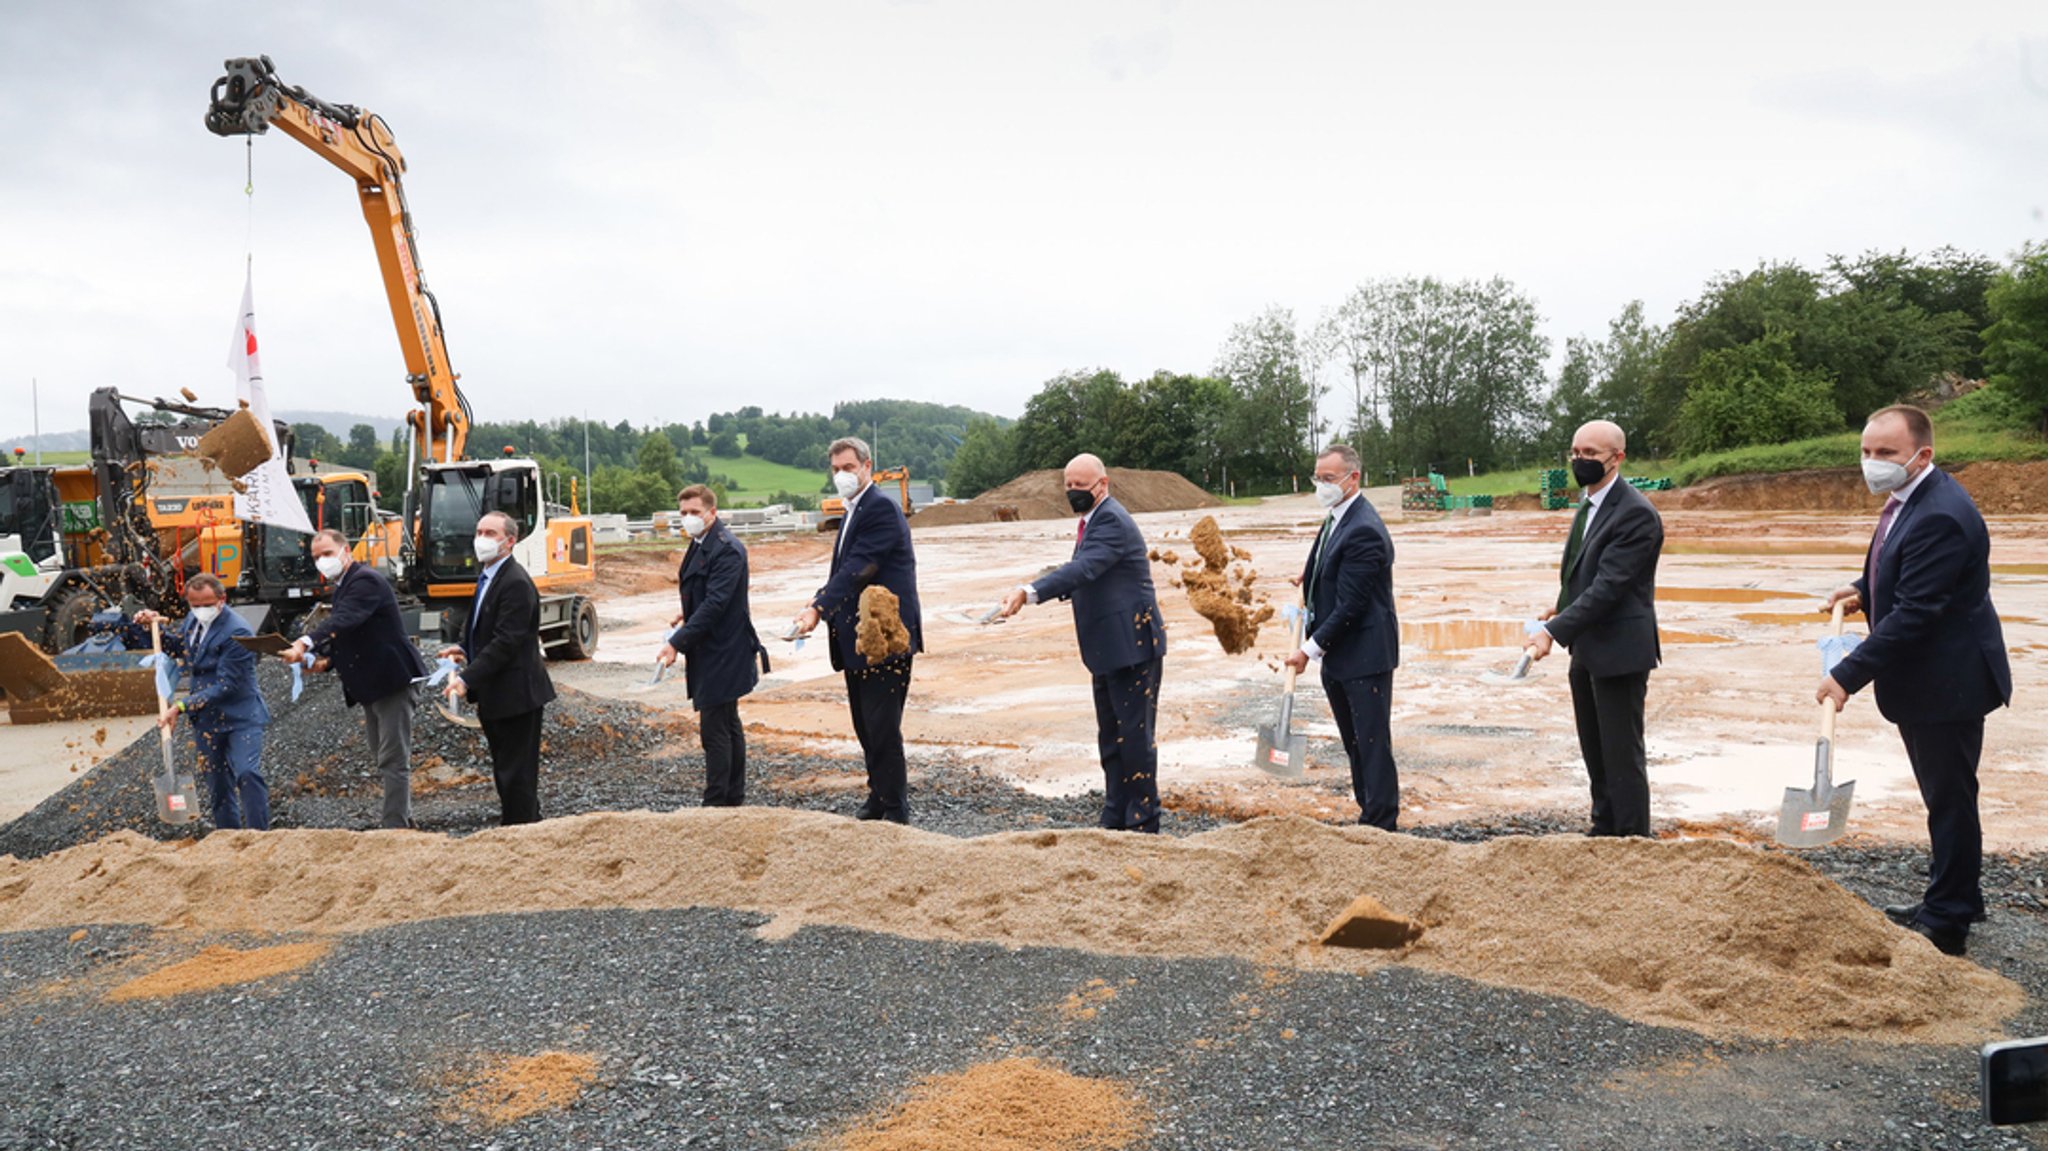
<point x="1571" y="553"/>
<point x="1315" y="562"/>
<point x="1884" y="528"/>
<point x="483" y="580"/>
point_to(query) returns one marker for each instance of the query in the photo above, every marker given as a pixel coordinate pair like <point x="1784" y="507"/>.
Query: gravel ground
<point x="710" y="1037"/>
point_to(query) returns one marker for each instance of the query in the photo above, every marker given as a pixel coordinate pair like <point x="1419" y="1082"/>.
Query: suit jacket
<point x="1609" y="619"/>
<point x="874" y="548"/>
<point x="504" y="669"/>
<point x="717" y="638"/>
<point x="364" y="637"/>
<point x="1352" y="597"/>
<point x="1935" y="649"/>
<point x="222" y="694"/>
<point x="1116" y="614"/>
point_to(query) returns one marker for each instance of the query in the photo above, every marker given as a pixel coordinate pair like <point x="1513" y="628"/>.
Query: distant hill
<point x="337" y="422"/>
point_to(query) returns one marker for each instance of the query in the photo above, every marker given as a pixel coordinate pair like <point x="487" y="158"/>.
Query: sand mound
<point x="1042" y="495"/>
<point x="1219" y="593"/>
<point x="1007" y="1105"/>
<point x="219" y="967"/>
<point x="1710" y="936"/>
<point x="880" y="633"/>
<point x="1998" y="488"/>
<point x="505" y="1090"/>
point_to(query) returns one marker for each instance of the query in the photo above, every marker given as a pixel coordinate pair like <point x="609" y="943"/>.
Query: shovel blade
<point x="1810" y="819"/>
<point x="177" y="794"/>
<point x="1281" y="753"/>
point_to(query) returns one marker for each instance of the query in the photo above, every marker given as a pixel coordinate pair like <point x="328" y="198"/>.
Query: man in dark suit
<point x="363" y="639"/>
<point x="1936" y="653"/>
<point x="227" y="711"/>
<point x="1606" y="613"/>
<point x="1348" y="588"/>
<point x="873" y="547"/>
<point x="717" y="642"/>
<point x="503" y="668"/>
<point x="1122" y="639"/>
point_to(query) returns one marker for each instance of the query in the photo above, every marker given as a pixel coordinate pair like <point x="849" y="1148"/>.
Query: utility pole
<point x="589" y="496"/>
<point x="35" y="403"/>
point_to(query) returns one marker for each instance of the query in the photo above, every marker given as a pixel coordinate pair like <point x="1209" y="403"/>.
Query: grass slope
<point x="757" y="478"/>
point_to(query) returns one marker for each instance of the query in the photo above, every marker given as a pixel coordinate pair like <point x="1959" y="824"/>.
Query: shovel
<point x="1813" y="816"/>
<point x="1518" y="674"/>
<point x="1281" y="752"/>
<point x="652" y="682"/>
<point x="452" y="709"/>
<point x="177" y="795"/>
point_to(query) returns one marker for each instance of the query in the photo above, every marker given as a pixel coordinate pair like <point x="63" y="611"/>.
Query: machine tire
<point x="69" y="615"/>
<point x="582" y="639"/>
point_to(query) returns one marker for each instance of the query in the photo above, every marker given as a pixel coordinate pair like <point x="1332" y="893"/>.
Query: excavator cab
<point x="29" y="512"/>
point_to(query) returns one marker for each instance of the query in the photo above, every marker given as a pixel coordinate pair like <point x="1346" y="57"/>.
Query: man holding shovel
<point x="1122" y="638"/>
<point x="1606" y="613"/>
<point x="1348" y="590"/>
<point x="1936" y="653"/>
<point x="226" y="709"/>
<point x="714" y="635"/>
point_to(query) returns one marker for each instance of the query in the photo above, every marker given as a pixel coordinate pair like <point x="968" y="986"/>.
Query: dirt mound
<point x="1998" y="488"/>
<point x="505" y="1089"/>
<point x="219" y="967"/>
<point x="1710" y="936"/>
<point x="1042" y="495"/>
<point x="1007" y="1105"/>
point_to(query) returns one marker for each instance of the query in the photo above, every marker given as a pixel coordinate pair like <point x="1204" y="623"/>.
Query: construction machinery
<point x="446" y="491"/>
<point x="833" y="509"/>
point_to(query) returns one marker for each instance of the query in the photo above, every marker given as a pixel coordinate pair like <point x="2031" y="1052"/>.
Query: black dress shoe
<point x="1902" y="914"/>
<point x="1946" y="940"/>
<point x="898" y="816"/>
<point x="867" y="811"/>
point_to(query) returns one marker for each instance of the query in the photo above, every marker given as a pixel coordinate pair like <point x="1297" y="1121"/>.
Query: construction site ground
<point x="638" y="971"/>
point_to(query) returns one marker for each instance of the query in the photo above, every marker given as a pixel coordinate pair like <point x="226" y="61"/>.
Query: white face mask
<point x="329" y="565"/>
<point x="1329" y="495"/>
<point x="1884" y="476"/>
<point x="206" y="615"/>
<point x="847" y="484"/>
<point x="486" y="549"/>
<point x="693" y="526"/>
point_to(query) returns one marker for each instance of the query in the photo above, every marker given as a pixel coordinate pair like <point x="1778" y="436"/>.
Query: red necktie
<point x="1080" y="529"/>
<point x="1884" y="527"/>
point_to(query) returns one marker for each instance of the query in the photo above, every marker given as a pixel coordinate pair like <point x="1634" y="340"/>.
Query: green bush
<point x="1754" y="393"/>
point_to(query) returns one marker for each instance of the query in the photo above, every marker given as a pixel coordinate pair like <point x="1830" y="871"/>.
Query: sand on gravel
<point x="1016" y="1104"/>
<point x="504" y="1089"/>
<point x="1706" y="935"/>
<point x="217" y="967"/>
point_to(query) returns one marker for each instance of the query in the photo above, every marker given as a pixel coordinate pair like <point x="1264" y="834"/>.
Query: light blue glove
<point x="166" y="673"/>
<point x="1833" y="648"/>
<point x="299" y="675"/>
<point x="1532" y="627"/>
<point x="443" y="668"/>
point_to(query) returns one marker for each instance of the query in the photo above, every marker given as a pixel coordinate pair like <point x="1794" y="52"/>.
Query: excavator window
<point x="353" y="498"/>
<point x="28" y="509"/>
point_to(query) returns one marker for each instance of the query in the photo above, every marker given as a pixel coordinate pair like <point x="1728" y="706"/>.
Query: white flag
<point x="269" y="498"/>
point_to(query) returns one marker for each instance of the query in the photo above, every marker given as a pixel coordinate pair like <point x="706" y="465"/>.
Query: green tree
<point x="1573" y="401"/>
<point x="725" y="445"/>
<point x="361" y="449"/>
<point x="984" y="460"/>
<point x="2016" y="343"/>
<point x="311" y="441"/>
<point x="657" y="457"/>
<point x="1734" y="310"/>
<point x="1270" y="426"/>
<point x="1755" y="393"/>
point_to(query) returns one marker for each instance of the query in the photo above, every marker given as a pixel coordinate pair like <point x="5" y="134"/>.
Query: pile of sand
<point x="1711" y="936"/>
<point x="504" y="1089"/>
<point x="1042" y="495"/>
<point x="220" y="967"/>
<point x="880" y="633"/>
<point x="1007" y="1105"/>
<point x="1220" y="593"/>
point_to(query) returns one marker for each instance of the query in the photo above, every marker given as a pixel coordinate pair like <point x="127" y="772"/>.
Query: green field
<point x="58" y="459"/>
<point x="758" y="479"/>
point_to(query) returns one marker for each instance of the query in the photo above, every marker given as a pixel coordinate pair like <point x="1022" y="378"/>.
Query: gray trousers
<point x="388" y="725"/>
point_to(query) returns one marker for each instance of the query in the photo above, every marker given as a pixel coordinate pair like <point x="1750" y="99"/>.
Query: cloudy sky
<point x="653" y="211"/>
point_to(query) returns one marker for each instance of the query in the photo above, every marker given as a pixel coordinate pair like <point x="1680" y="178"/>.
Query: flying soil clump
<point x="1219" y="592"/>
<point x="881" y="633"/>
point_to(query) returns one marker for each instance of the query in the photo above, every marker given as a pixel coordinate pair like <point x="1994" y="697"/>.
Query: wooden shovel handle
<point x="1828" y="711"/>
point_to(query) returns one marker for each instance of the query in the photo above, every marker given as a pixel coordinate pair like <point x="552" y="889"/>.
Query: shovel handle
<point x="1836" y="622"/>
<point x="1828" y="711"/>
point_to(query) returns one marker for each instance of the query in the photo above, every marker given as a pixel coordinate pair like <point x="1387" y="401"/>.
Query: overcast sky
<point x="655" y="211"/>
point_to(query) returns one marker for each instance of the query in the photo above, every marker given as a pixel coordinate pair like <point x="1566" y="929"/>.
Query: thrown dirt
<point x="881" y="633"/>
<point x="506" y="1089"/>
<point x="1720" y="939"/>
<point x="1042" y="495"/>
<point x="237" y="445"/>
<point x="220" y="967"/>
<point x="1007" y="1105"/>
<point x="1222" y="594"/>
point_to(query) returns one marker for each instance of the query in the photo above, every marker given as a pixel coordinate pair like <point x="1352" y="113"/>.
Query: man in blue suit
<point x="1936" y="653"/>
<point x="873" y="548"/>
<point x="1122" y="638"/>
<point x="364" y="639"/>
<point x="1348" y="587"/>
<point x="716" y="641"/>
<point x="226" y="708"/>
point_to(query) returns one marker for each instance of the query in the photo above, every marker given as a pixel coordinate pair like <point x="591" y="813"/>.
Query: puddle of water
<point x="1740" y="547"/>
<point x="2019" y="569"/>
<point x="1668" y="636"/>
<point x="1461" y="634"/>
<point x="1725" y="594"/>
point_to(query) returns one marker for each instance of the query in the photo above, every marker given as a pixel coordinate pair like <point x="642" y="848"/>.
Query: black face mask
<point x="1080" y="501"/>
<point x="1588" y="472"/>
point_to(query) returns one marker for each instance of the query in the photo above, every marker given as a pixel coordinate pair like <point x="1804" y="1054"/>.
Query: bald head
<point x="1605" y="435"/>
<point x="1083" y="470"/>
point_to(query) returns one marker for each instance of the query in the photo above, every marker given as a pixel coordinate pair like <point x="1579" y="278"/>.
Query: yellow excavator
<point x="445" y="490"/>
<point x="833" y="509"/>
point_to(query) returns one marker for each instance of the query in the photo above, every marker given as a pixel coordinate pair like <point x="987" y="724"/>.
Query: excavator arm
<point x="246" y="102"/>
